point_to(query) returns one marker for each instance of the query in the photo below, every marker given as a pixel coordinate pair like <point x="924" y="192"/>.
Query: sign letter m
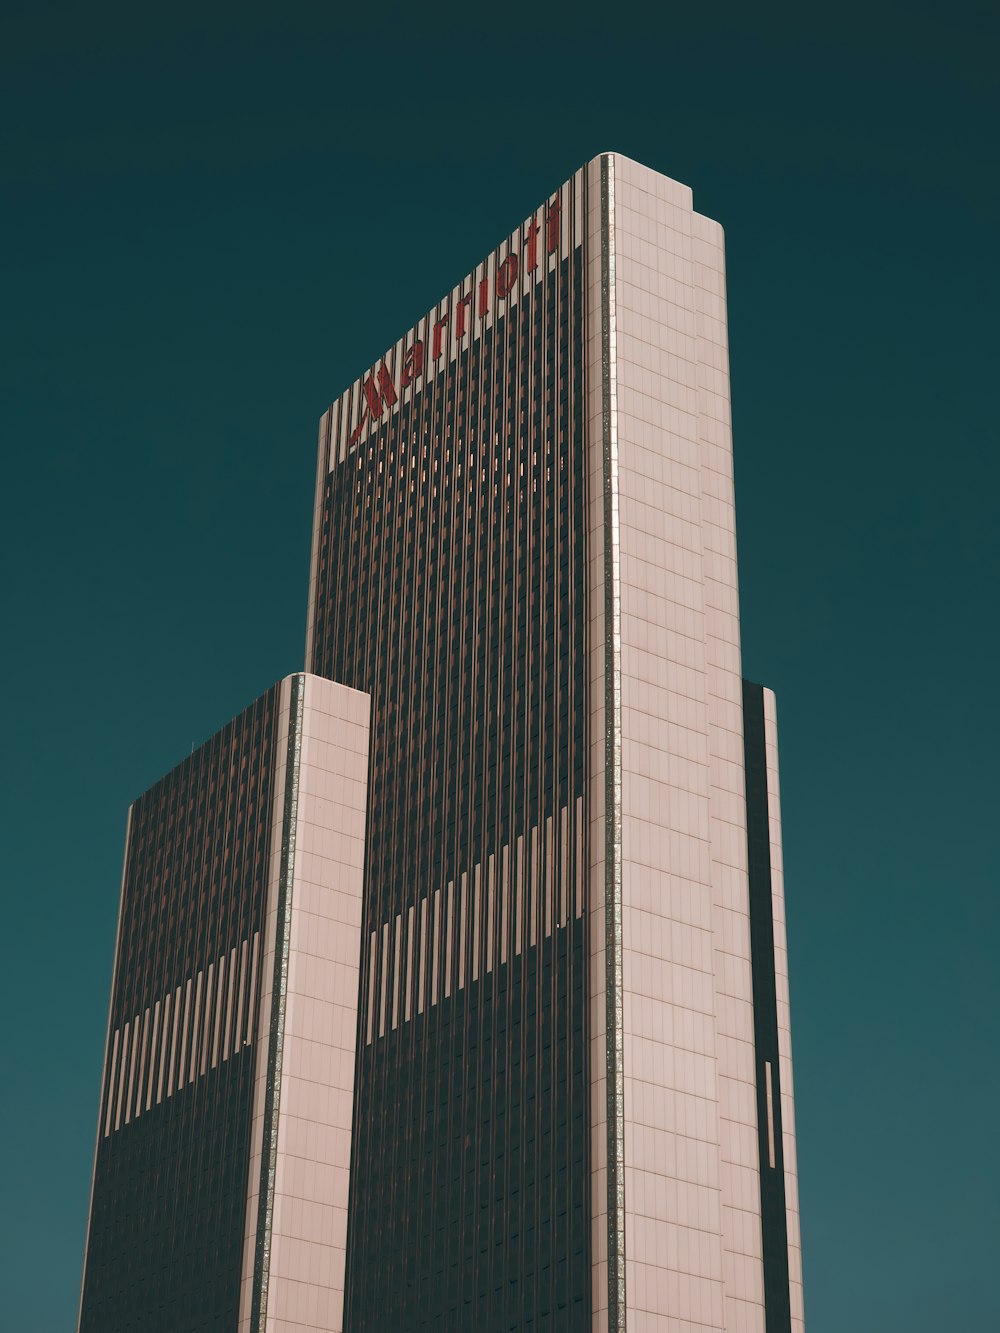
<point x="376" y="389"/>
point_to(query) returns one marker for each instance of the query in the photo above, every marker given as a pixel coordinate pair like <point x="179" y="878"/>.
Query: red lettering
<point x="532" y="243"/>
<point x="463" y="301"/>
<point x="552" y="212"/>
<point x="507" y="276"/>
<point x="438" y="327"/>
<point x="413" y="364"/>
<point x="484" y="295"/>
<point x="384" y="393"/>
<point x="375" y="395"/>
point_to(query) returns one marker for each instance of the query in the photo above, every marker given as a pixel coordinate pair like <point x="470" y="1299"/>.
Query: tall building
<point x="511" y="1047"/>
<point x="225" y="1116"/>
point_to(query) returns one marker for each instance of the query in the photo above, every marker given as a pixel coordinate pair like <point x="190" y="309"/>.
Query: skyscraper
<point x="559" y="999"/>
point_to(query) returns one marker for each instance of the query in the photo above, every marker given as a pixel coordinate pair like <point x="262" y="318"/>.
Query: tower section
<point x="680" y="954"/>
<point x="220" y="1185"/>
<point x="524" y="549"/>
<point x="449" y="583"/>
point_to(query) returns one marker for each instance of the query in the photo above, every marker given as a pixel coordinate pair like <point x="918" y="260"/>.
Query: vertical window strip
<point x="131" y="1068"/>
<point x="549" y="875"/>
<point x="563" y="867"/>
<point x="476" y="893"/>
<point x="371" y="990"/>
<point x="206" y="1037"/>
<point x="140" y="1081"/>
<point x="252" y="997"/>
<point x="423" y="953"/>
<point x="220" y="982"/>
<point x="109" y="1091"/>
<point x="579" y="857"/>
<point x="449" y="919"/>
<point x="436" y="929"/>
<point x="385" y="980"/>
<point x="228" y="1032"/>
<point x="408" y="991"/>
<point x="461" y="932"/>
<point x="490" y="908"/>
<point x="161" y="1077"/>
<point x="181" y="1068"/>
<point x="533" y="917"/>
<point x="505" y="894"/>
<point x="120" y="1095"/>
<point x="241" y="1000"/>
<point x="397" y="930"/>
<point x="519" y="899"/>
<point x="770" y="1113"/>
<point x="175" y="1007"/>
<point x="152" y="1054"/>
<point x="194" y="1067"/>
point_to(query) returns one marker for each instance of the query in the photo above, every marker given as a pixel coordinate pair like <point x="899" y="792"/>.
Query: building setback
<point x="501" y="974"/>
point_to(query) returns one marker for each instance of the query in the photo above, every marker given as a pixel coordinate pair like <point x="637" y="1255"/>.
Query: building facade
<point x="230" y="1055"/>
<point x="570" y="1067"/>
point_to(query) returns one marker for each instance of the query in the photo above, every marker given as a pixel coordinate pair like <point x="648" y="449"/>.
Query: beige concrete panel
<point x="673" y="1185"/>
<point x="306" y="1240"/>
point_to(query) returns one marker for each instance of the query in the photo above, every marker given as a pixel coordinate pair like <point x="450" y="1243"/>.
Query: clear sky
<point x="212" y="222"/>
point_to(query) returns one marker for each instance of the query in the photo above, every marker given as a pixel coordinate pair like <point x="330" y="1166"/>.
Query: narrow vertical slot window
<point x="436" y="932"/>
<point x="196" y="1030"/>
<point x="549" y="874"/>
<point x="490" y="910"/>
<point x="220" y="982"/>
<point x="109" y="1091"/>
<point x="518" y="893"/>
<point x="504" y="902"/>
<point x="578" y="876"/>
<point x="449" y="922"/>
<point x="533" y="914"/>
<point x="131" y="1068"/>
<point x="120" y="1095"/>
<point x="162" y="1075"/>
<point x="206" y="1036"/>
<point x="252" y="996"/>
<point x="422" y="965"/>
<point x="476" y="891"/>
<point x="139" y="1089"/>
<point x="181" y="1068"/>
<point x="371" y="989"/>
<point x="241" y="1000"/>
<point x="227" y="1032"/>
<point x="770" y="1113"/>
<point x="172" y="1069"/>
<point x="408" y="992"/>
<point x="152" y="1054"/>
<point x="395" y="972"/>
<point x="461" y="932"/>
<point x="563" y="867"/>
<point x="383" y="989"/>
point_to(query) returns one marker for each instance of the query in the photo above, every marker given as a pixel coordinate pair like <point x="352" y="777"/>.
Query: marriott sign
<point x="494" y="288"/>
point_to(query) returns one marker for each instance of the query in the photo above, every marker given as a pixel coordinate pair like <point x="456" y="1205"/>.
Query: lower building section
<point x="473" y="1204"/>
<point x="220" y="1180"/>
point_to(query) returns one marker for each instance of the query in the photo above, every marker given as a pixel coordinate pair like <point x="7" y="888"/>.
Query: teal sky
<point x="210" y="225"/>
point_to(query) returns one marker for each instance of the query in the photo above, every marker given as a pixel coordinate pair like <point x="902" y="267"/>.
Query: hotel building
<point x="450" y="987"/>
